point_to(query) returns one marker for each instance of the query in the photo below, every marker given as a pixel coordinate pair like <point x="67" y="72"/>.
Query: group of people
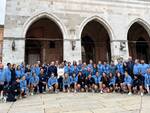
<point x="132" y="77"/>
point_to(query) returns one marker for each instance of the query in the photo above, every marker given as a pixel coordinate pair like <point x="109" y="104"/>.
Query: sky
<point x="2" y="11"/>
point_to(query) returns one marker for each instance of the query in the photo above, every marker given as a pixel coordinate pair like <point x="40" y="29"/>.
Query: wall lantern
<point x="73" y="43"/>
<point x="13" y="45"/>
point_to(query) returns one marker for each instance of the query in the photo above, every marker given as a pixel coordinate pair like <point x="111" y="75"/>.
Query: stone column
<point x="15" y="56"/>
<point x="119" y="49"/>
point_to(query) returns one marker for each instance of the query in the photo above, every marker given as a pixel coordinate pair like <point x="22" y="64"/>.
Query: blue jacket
<point x="37" y="70"/>
<point x="19" y="74"/>
<point x="28" y="76"/>
<point x="112" y="80"/>
<point x="68" y="69"/>
<point x="100" y="68"/>
<point x="97" y="79"/>
<point x="120" y="68"/>
<point x="75" y="70"/>
<point x="7" y="73"/>
<point x="34" y="80"/>
<point x="73" y="80"/>
<point x="143" y="68"/>
<point x="23" y="84"/>
<point x="128" y="79"/>
<point x="52" y="81"/>
<point x="106" y="69"/>
<point x="66" y="82"/>
<point x="136" y="69"/>
<point x="147" y="79"/>
<point x="2" y="76"/>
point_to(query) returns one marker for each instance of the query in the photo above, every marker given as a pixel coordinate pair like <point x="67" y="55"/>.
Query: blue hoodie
<point x="73" y="80"/>
<point x="128" y="79"/>
<point x="143" y="68"/>
<point x="136" y="69"/>
<point x="2" y="76"/>
<point x="52" y="81"/>
<point x="66" y="82"/>
<point x="97" y="79"/>
<point x="34" y="80"/>
<point x="23" y="84"/>
<point x="112" y="80"/>
<point x="19" y="74"/>
<point x="147" y="79"/>
<point x="7" y="73"/>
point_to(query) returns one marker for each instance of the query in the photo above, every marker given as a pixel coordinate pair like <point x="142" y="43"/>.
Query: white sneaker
<point x="129" y="93"/>
<point x="101" y="92"/>
<point x="75" y="91"/>
<point x="142" y="94"/>
<point x="32" y="94"/>
<point x="56" y="91"/>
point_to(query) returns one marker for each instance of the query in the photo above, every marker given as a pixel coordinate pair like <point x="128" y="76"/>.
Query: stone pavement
<point x="78" y="103"/>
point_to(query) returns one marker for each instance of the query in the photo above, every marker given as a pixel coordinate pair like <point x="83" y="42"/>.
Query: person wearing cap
<point x="2" y="80"/>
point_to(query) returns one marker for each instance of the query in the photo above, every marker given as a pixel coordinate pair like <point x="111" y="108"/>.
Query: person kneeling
<point x="127" y="84"/>
<point x="33" y="82"/>
<point x="23" y="87"/>
<point x="66" y="83"/>
<point x="53" y="84"/>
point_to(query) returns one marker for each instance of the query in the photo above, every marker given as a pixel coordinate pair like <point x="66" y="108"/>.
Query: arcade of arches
<point x="139" y="42"/>
<point x="44" y="42"/>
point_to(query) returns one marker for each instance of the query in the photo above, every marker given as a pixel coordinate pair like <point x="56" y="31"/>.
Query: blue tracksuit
<point x="106" y="69"/>
<point x="23" y="85"/>
<point x="120" y="68"/>
<point x="37" y="70"/>
<point x="100" y="68"/>
<point x="69" y="70"/>
<point x="52" y="81"/>
<point x="73" y="80"/>
<point x="75" y="70"/>
<point x="66" y="82"/>
<point x="147" y="79"/>
<point x="143" y="68"/>
<point x="7" y="73"/>
<point x="136" y="69"/>
<point x="97" y="79"/>
<point x="2" y="76"/>
<point x="34" y="80"/>
<point x="90" y="67"/>
<point x="28" y="77"/>
<point x="19" y="74"/>
<point x="128" y="80"/>
<point x="112" y="80"/>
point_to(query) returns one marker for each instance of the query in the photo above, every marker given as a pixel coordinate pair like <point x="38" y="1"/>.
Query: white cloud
<point x="2" y="11"/>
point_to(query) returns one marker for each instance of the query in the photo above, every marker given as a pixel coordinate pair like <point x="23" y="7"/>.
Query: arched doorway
<point x="95" y="42"/>
<point x="139" y="42"/>
<point x="44" y="42"/>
